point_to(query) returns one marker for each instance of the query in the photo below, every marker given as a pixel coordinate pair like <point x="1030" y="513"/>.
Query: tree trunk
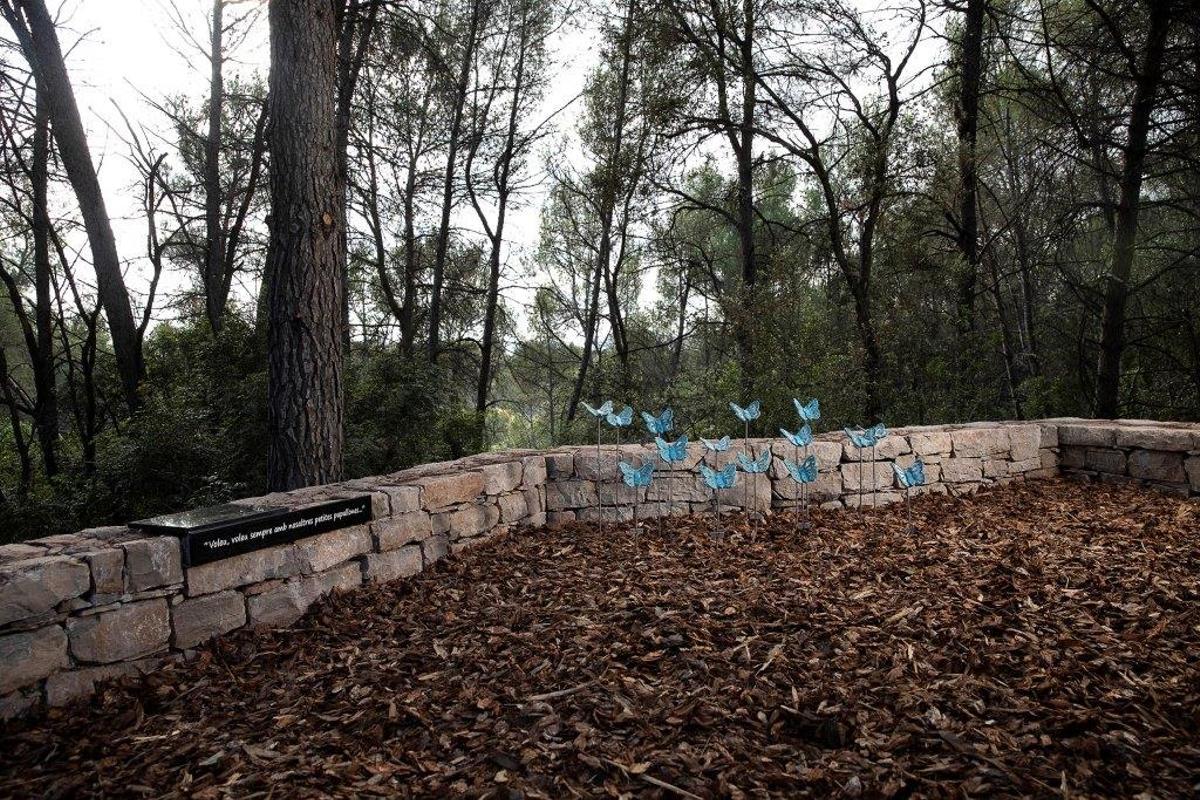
<point x="46" y="410"/>
<point x="1116" y="295"/>
<point x="443" y="240"/>
<point x="970" y="70"/>
<point x="214" y="242"/>
<point x="745" y="202"/>
<point x="45" y="56"/>
<point x="305" y="257"/>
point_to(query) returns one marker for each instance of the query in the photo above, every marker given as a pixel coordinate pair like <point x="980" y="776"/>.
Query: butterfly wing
<point x="810" y="411"/>
<point x="754" y="410"/>
<point x="808" y="470"/>
<point x="856" y="438"/>
<point x="667" y="420"/>
<point x="791" y="437"/>
<point x="746" y="463"/>
<point x="723" y="444"/>
<point x="804" y="436"/>
<point x="645" y="474"/>
<point x="916" y="473"/>
<point x="710" y="476"/>
<point x="595" y="412"/>
<point x="741" y="412"/>
<point x="628" y="473"/>
<point x="663" y="448"/>
<point x="626" y="416"/>
<point x="764" y="461"/>
<point x="879" y="432"/>
<point x="679" y="448"/>
<point x="728" y="475"/>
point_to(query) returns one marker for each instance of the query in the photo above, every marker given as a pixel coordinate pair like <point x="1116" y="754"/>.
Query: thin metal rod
<point x="599" y="497"/>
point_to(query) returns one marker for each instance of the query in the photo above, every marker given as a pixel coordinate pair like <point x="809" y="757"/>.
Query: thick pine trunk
<point x="53" y="82"/>
<point x="46" y="410"/>
<point x="214" y="262"/>
<point x="970" y="68"/>
<point x="1116" y="293"/>
<point x="305" y="258"/>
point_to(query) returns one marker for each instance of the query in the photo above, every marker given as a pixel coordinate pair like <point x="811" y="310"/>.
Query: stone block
<point x="891" y="447"/>
<point x="1157" y="465"/>
<point x="535" y="520"/>
<point x="285" y="604"/>
<point x="242" y="570"/>
<point x="513" y="507"/>
<point x="473" y="521"/>
<point x="608" y="514"/>
<point x="929" y="443"/>
<point x="748" y="493"/>
<point x="873" y="499"/>
<point x="1021" y="467"/>
<point x="201" y="618"/>
<point x="1071" y="457"/>
<point x="882" y="471"/>
<point x="439" y="524"/>
<point x="401" y="529"/>
<point x="533" y="471"/>
<point x="392" y="565"/>
<point x="827" y="486"/>
<point x="556" y="519"/>
<point x="995" y="468"/>
<point x="680" y="488"/>
<point x="107" y="569"/>
<point x="564" y="495"/>
<point x="403" y="499"/>
<point x="69" y="686"/>
<point x="36" y="585"/>
<point x="29" y="656"/>
<point x="535" y="499"/>
<point x="435" y="548"/>
<point x="1087" y="434"/>
<point x="151" y="563"/>
<point x="1192" y="468"/>
<point x="587" y="467"/>
<point x="560" y="465"/>
<point x="442" y="491"/>
<point x="1024" y="441"/>
<point x="1105" y="460"/>
<point x="501" y="478"/>
<point x="125" y="633"/>
<point x="19" y="551"/>
<point x="978" y="442"/>
<point x="962" y="470"/>
<point x="1171" y="440"/>
<point x="319" y="553"/>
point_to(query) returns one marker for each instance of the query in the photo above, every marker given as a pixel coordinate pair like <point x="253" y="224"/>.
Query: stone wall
<point x="105" y="602"/>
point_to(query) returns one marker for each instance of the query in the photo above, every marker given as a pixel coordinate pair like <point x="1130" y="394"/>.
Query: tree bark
<point x="46" y="410"/>
<point x="306" y="256"/>
<point x="970" y="71"/>
<point x="1117" y="291"/>
<point x="214" y="263"/>
<point x="459" y="99"/>
<point x="41" y="46"/>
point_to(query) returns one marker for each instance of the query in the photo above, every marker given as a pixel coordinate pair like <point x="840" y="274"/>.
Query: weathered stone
<point x="608" y="514"/>
<point x="285" y="604"/>
<point x="401" y="529"/>
<point x="513" y="507"/>
<point x="890" y="447"/>
<point x="150" y="563"/>
<point x="1071" y="457"/>
<point x="930" y="443"/>
<point x="1029" y="465"/>
<point x="828" y="485"/>
<point x="131" y="631"/>
<point x="107" y="569"/>
<point x="1024" y="441"/>
<point x="30" y="656"/>
<point x="995" y="468"/>
<point x="685" y="488"/>
<point x="383" y="567"/>
<point x="533" y="471"/>
<point x="37" y="585"/>
<point x="873" y="500"/>
<point x="69" y="686"/>
<point x="535" y="499"/>
<point x="17" y="704"/>
<point x="19" y="551"/>
<point x="556" y="519"/>
<point x="560" y="465"/>
<point x="1172" y="440"/>
<point x="473" y="520"/>
<point x="882" y="471"/>
<point x="962" y="470"/>
<point x="319" y="553"/>
<point x="564" y="495"/>
<point x="442" y="491"/>
<point x="748" y="493"/>
<point x="201" y="618"/>
<point x="1192" y="468"/>
<point x="1088" y="434"/>
<point x="439" y="524"/>
<point x="535" y="520"/>
<point x="403" y="499"/>
<point x="977" y="442"/>
<point x="587" y="468"/>
<point x="252" y="567"/>
<point x="435" y="548"/>
<point x="1157" y="465"/>
<point x="1105" y="460"/>
<point x="501" y="478"/>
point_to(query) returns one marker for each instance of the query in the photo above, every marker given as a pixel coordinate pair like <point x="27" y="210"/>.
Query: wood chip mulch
<point x="1042" y="639"/>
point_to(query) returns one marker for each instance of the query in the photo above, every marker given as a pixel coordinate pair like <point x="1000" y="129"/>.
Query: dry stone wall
<point x="107" y="602"/>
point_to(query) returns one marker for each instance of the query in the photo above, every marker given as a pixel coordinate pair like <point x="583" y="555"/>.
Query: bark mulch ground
<point x="1041" y="639"/>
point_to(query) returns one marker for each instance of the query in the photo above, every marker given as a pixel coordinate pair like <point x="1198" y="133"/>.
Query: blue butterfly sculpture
<point x="636" y="478"/>
<point x="672" y="452"/>
<point x="661" y="424"/>
<point x="719" y="479"/>
<point x="804" y="472"/>
<point x="868" y="437"/>
<point x="752" y="411"/>
<point x="912" y="476"/>
<point x="602" y="411"/>
<point x="620" y="420"/>
<point x="758" y="465"/>
<point x="908" y="478"/>
<point x="715" y="446"/>
<point x="801" y="438"/>
<point x="810" y="411"/>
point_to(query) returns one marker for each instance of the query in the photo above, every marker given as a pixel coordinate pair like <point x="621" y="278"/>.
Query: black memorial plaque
<point x="210" y="534"/>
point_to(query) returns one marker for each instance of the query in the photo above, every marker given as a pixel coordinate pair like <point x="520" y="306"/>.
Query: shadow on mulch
<point x="1039" y="639"/>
